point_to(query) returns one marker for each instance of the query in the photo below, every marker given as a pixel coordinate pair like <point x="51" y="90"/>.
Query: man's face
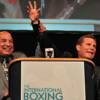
<point x="6" y="43"/>
<point x="87" y="48"/>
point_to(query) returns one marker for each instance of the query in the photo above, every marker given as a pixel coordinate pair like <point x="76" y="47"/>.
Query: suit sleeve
<point x="44" y="40"/>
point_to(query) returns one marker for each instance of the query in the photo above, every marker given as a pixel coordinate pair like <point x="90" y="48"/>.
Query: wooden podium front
<point x="51" y="79"/>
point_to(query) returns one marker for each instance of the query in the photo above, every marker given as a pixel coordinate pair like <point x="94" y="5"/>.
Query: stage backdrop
<point x="74" y="9"/>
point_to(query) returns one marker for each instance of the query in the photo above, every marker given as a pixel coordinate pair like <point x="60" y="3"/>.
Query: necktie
<point x="4" y="61"/>
<point x="5" y="67"/>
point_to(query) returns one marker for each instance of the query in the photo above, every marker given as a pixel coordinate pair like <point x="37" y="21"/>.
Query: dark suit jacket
<point x="45" y="42"/>
<point x="97" y="82"/>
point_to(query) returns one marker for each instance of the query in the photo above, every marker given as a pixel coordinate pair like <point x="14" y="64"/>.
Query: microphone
<point x="49" y="52"/>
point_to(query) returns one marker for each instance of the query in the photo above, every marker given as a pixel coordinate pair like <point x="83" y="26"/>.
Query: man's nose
<point x="92" y="47"/>
<point x="7" y="43"/>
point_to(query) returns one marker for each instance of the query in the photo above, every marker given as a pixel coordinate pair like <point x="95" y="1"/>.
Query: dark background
<point x="64" y="41"/>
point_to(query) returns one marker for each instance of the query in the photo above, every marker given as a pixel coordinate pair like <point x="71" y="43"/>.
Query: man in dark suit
<point x="40" y="34"/>
<point x="86" y="48"/>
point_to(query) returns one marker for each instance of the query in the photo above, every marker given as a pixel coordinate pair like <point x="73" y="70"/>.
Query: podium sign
<point x="52" y="80"/>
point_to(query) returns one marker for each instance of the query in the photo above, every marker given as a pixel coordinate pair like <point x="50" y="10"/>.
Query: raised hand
<point x="33" y="11"/>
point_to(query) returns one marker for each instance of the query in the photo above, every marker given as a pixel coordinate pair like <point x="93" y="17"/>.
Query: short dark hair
<point x="80" y="40"/>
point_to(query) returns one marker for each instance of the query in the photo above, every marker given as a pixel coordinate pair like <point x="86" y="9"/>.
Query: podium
<point x="51" y="79"/>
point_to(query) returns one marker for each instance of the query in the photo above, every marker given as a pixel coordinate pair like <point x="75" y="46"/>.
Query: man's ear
<point x="77" y="47"/>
